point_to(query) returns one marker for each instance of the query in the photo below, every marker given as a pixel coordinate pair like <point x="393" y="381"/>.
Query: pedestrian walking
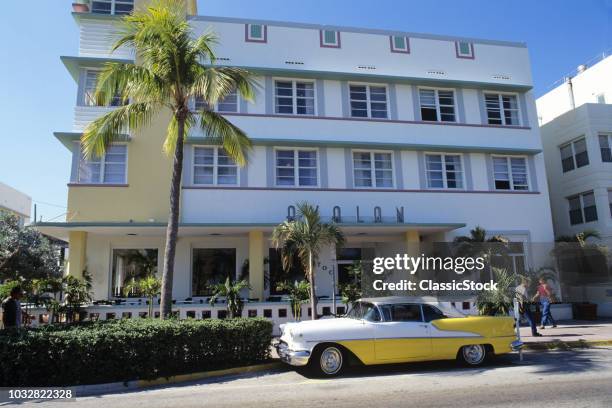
<point x="545" y="296"/>
<point x="11" y="309"/>
<point x="524" y="303"/>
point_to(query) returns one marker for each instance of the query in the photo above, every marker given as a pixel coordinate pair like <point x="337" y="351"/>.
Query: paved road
<point x="581" y="378"/>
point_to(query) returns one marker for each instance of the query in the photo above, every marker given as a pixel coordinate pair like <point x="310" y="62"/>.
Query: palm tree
<point x="149" y="287"/>
<point x="477" y="245"/>
<point x="304" y="237"/>
<point x="298" y="293"/>
<point x="231" y="291"/>
<point x="170" y="71"/>
<point x="500" y="301"/>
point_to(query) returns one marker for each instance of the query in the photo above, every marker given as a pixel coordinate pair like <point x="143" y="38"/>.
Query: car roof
<point x="401" y="299"/>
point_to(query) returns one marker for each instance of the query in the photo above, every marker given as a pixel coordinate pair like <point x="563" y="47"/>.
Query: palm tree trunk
<point x="173" y="219"/>
<point x="313" y="296"/>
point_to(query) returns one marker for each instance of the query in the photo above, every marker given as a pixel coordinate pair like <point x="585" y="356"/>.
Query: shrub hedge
<point x="122" y="350"/>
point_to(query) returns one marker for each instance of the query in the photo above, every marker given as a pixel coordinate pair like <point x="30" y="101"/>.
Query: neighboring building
<point x="15" y="202"/>
<point x="576" y="127"/>
<point x="405" y="138"/>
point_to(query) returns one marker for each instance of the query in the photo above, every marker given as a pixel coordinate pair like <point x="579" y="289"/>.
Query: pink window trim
<point x="464" y="56"/>
<point x="327" y="45"/>
<point x="392" y="46"/>
<point x="248" y="39"/>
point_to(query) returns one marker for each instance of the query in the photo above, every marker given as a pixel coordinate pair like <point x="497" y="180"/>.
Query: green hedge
<point x="122" y="350"/>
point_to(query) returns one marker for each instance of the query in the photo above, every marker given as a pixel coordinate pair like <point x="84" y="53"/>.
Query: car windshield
<point x="365" y="311"/>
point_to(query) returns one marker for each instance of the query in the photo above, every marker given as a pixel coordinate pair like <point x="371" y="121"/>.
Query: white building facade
<point x="15" y="202"/>
<point x="401" y="138"/>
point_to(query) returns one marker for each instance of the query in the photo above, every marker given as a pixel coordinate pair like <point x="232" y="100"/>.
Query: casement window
<point x="294" y="97"/>
<point x="510" y="173"/>
<point x="373" y="169"/>
<point x="213" y="166"/>
<point x="117" y="7"/>
<point x="437" y="105"/>
<point x="368" y="101"/>
<point x="329" y="38"/>
<point x="464" y="49"/>
<point x="502" y="109"/>
<point x="444" y="171"/>
<point x="582" y="208"/>
<point x="227" y="104"/>
<point x="296" y="168"/>
<point x="574" y="155"/>
<point x="256" y="33"/>
<point x="399" y="44"/>
<point x="110" y="168"/>
<point x="605" y="145"/>
<point x="211" y="266"/>
<point x="89" y="89"/>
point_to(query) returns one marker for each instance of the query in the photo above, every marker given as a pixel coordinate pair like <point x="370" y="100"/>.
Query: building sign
<point x="375" y="215"/>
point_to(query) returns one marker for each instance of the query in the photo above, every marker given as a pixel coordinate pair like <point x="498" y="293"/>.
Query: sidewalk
<point x="571" y="331"/>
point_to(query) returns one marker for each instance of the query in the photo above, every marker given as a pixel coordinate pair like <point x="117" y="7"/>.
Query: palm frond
<point x="215" y="83"/>
<point x="172" y="132"/>
<point x="129" y="82"/>
<point x="110" y="127"/>
<point x="222" y="132"/>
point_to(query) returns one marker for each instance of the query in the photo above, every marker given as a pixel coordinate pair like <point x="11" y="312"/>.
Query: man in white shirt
<point x="524" y="302"/>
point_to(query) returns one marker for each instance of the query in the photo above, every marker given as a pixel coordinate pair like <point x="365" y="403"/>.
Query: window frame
<point x="296" y="173"/>
<point x="444" y="176"/>
<point x="294" y="96"/>
<point x="129" y="246"/>
<point x="580" y="197"/>
<point x="102" y="161"/>
<point x="393" y="49"/>
<point x="215" y="167"/>
<point x="216" y="107"/>
<point x="324" y="44"/>
<point x="458" y="52"/>
<point x="437" y="100"/>
<point x="87" y="100"/>
<point x="571" y="144"/>
<point x="373" y="169"/>
<point x="113" y="7"/>
<point x="501" y="107"/>
<point x="608" y="137"/>
<point x="249" y="38"/>
<point x="509" y="170"/>
<point x="368" y="100"/>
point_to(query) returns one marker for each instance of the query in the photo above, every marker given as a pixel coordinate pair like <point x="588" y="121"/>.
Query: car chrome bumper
<point x="291" y="357"/>
<point x="516" y="345"/>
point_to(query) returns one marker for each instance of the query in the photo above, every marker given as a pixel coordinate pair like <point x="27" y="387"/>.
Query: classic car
<point x="394" y="330"/>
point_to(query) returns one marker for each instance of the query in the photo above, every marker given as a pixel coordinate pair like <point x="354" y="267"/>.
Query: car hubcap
<point x="474" y="354"/>
<point x="331" y="360"/>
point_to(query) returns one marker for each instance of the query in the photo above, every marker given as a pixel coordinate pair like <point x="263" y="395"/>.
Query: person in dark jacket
<point x="11" y="309"/>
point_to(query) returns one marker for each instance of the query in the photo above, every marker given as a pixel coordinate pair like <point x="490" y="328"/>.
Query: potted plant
<point x="231" y="291"/>
<point x="80" y="6"/>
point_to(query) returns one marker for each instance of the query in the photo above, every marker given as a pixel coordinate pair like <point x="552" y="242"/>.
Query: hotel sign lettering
<point x="359" y="217"/>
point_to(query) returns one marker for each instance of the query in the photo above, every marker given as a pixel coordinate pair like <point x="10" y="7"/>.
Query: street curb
<point x="84" y="390"/>
<point x="565" y="345"/>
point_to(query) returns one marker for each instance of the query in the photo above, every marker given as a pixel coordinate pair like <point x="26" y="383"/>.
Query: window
<point x="129" y="265"/>
<point x="399" y="44"/>
<point x="368" y="101"/>
<point x="402" y="313"/>
<point x="117" y="7"/>
<point x="444" y="171"/>
<point x="574" y="155"/>
<point x="373" y="169"/>
<point x="432" y="313"/>
<point x="211" y="266"/>
<point x="600" y="98"/>
<point x="227" y="104"/>
<point x="277" y="274"/>
<point x="365" y="311"/>
<point x="512" y="258"/>
<point x="502" y="109"/>
<point x="329" y="38"/>
<point x="437" y="105"/>
<point x="256" y="33"/>
<point x="213" y="166"/>
<point x="89" y="90"/>
<point x="464" y="49"/>
<point x="294" y="98"/>
<point x="605" y="145"/>
<point x="296" y="168"/>
<point x="108" y="169"/>
<point x="510" y="173"/>
<point x="582" y="208"/>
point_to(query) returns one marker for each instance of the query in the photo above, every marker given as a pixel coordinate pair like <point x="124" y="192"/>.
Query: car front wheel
<point x="327" y="360"/>
<point x="472" y="355"/>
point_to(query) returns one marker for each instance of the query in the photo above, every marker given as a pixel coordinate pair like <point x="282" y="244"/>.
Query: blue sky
<point x="38" y="95"/>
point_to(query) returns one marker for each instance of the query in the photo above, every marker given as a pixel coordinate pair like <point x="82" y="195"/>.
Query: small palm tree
<point x="351" y="292"/>
<point x="149" y="287"/>
<point x="580" y="238"/>
<point x="298" y="293"/>
<point x="231" y="291"/>
<point x="500" y="301"/>
<point x="304" y="237"/>
<point x="173" y="67"/>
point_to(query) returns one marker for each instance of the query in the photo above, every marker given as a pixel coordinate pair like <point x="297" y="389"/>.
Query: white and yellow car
<point x="394" y="330"/>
